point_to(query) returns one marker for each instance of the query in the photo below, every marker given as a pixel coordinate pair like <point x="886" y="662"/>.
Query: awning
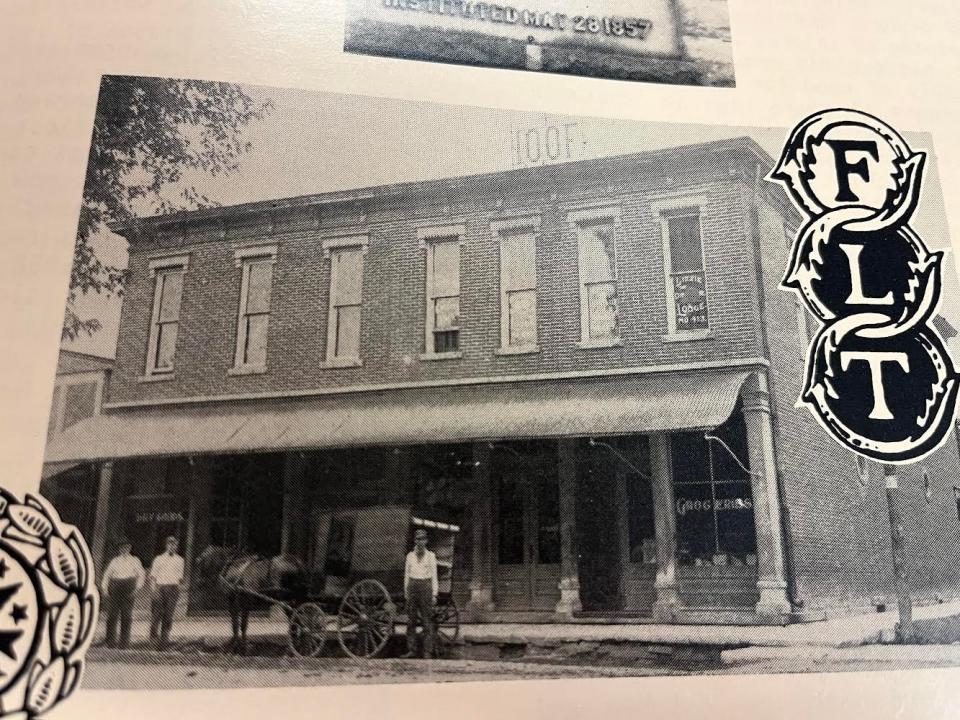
<point x="55" y="468"/>
<point x="609" y="406"/>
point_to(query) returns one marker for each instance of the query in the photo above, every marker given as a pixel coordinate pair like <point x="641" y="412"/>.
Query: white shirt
<point x="123" y="567"/>
<point x="167" y="569"/>
<point x="420" y="568"/>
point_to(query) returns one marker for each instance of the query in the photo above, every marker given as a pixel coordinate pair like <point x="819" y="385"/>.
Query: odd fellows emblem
<point x="48" y="606"/>
<point x="878" y="375"/>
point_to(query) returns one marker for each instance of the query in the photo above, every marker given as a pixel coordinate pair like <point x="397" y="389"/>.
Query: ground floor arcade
<point x="673" y="524"/>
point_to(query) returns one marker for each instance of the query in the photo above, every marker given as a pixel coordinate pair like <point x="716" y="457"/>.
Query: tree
<point x="150" y="136"/>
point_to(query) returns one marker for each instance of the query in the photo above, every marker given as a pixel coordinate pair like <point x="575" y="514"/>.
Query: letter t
<point x="875" y="360"/>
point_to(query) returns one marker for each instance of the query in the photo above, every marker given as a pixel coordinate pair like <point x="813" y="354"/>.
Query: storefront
<point x="647" y="516"/>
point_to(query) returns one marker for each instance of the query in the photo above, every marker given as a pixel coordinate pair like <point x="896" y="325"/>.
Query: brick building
<point x="78" y="394"/>
<point x="588" y="366"/>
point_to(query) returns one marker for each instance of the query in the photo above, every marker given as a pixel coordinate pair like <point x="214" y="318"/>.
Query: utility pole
<point x="904" y="632"/>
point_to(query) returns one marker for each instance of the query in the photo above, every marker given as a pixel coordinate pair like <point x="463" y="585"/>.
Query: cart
<point x="356" y="566"/>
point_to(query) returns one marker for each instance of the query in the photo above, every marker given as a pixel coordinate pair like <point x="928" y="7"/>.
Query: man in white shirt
<point x="166" y="577"/>
<point x="120" y="583"/>
<point x="420" y="590"/>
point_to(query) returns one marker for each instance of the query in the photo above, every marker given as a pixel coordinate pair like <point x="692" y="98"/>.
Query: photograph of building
<point x="681" y="42"/>
<point x="586" y="370"/>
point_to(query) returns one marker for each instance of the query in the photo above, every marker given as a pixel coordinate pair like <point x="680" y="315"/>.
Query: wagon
<point x="356" y="564"/>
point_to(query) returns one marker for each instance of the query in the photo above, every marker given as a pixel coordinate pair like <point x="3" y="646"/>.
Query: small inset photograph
<point x="679" y="42"/>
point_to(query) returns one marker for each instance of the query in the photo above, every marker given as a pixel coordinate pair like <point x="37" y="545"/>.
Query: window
<point x="165" y="317"/>
<point x="687" y="279"/>
<point x="518" y="284"/>
<point x="684" y="270"/>
<point x="346" y="287"/>
<point x="713" y="496"/>
<point x="599" y="321"/>
<point x="254" y="315"/>
<point x="443" y="291"/>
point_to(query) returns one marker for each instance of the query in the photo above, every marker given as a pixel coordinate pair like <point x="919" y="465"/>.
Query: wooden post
<point x="771" y="565"/>
<point x="102" y="517"/>
<point x="665" y="523"/>
<point x="481" y="578"/>
<point x="569" y="585"/>
<point x="293" y="530"/>
<point x="904" y="631"/>
<point x="622" y="514"/>
<point x="188" y="543"/>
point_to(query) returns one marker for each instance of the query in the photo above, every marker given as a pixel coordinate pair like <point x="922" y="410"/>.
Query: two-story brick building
<point x="588" y="366"/>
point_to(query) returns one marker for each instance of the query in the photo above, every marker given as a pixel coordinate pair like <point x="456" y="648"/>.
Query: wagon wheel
<point x="446" y="620"/>
<point x="365" y="621"/>
<point x="307" y="630"/>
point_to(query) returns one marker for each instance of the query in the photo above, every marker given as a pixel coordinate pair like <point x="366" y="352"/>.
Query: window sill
<point x="598" y="343"/>
<point x="517" y="350"/>
<point x="442" y="356"/>
<point x="686" y="336"/>
<point x="247" y="370"/>
<point x="345" y="362"/>
<point x="155" y="377"/>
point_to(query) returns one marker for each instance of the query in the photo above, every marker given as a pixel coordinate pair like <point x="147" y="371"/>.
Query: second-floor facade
<point x="595" y="267"/>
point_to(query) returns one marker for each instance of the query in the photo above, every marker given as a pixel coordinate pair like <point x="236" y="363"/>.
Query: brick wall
<point x="839" y="527"/>
<point x="392" y="324"/>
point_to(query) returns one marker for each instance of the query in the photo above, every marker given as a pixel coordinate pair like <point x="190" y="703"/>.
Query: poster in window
<point x="690" y="301"/>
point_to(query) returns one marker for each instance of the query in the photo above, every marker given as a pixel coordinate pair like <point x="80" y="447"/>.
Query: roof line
<point x="402" y="188"/>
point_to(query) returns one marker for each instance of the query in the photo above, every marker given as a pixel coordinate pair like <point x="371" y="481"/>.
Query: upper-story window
<point x="346" y="290"/>
<point x="256" y="264"/>
<point x="442" y="332"/>
<point x="518" y="283"/>
<point x="168" y="276"/>
<point x="597" y="254"/>
<point x="685" y="274"/>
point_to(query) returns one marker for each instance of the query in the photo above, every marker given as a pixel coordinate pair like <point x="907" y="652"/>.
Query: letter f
<point x="845" y="169"/>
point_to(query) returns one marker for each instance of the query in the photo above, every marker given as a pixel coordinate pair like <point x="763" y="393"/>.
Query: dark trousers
<point x="120" y="610"/>
<point x="420" y="611"/>
<point x="162" y="608"/>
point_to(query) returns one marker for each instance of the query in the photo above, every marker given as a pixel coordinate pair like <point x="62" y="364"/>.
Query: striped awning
<point x="609" y="406"/>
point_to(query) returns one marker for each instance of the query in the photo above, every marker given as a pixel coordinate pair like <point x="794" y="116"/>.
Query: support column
<point x="98" y="543"/>
<point x="622" y="519"/>
<point x="293" y="524"/>
<point x="569" y="585"/>
<point x="481" y="580"/>
<point x="771" y="568"/>
<point x="665" y="521"/>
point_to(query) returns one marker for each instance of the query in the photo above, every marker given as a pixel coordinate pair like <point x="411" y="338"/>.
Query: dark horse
<point x="247" y="579"/>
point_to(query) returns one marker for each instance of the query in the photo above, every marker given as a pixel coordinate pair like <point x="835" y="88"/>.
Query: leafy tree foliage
<point x="151" y="136"/>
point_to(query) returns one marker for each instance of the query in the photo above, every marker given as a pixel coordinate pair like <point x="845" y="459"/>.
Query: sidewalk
<point x="843" y="632"/>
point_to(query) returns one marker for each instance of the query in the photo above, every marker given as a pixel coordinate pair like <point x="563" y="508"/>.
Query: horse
<point x="282" y="578"/>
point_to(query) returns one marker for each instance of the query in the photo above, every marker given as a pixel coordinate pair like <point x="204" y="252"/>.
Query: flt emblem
<point x="48" y="606"/>
<point x="878" y="374"/>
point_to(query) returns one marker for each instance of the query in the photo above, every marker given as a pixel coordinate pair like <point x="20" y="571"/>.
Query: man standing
<point x="420" y="590"/>
<point x="121" y="581"/>
<point x="166" y="577"/>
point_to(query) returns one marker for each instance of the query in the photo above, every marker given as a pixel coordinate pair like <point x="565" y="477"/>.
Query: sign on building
<point x="645" y="27"/>
<point x="548" y="142"/>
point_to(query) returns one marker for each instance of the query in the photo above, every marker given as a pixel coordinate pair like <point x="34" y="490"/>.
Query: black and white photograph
<point x="513" y="398"/>
<point x="680" y="42"/>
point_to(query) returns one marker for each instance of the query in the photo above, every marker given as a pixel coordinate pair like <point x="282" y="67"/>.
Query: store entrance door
<point x="528" y="530"/>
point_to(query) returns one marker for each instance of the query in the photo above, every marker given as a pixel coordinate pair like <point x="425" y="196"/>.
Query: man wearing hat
<point x="420" y="590"/>
<point x="166" y="577"/>
<point x="121" y="581"/>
